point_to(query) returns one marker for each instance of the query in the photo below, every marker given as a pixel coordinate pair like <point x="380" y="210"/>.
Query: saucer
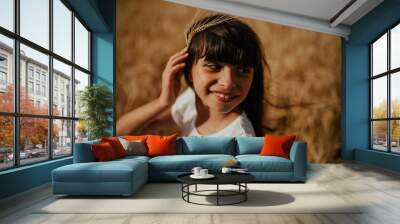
<point x="208" y="176"/>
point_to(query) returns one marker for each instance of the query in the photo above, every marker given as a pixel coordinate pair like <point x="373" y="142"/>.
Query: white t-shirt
<point x="184" y="113"/>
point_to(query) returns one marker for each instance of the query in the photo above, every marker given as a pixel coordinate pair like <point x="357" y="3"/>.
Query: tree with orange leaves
<point x="33" y="130"/>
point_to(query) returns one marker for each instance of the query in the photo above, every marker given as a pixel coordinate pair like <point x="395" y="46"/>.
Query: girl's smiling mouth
<point x="224" y="96"/>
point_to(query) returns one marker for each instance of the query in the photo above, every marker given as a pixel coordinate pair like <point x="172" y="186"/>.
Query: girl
<point x="223" y="66"/>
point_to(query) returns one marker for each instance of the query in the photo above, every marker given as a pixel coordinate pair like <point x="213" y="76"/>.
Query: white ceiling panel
<point x="320" y="9"/>
<point x="327" y="16"/>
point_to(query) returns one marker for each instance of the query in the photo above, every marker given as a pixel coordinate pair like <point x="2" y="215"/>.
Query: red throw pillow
<point x="103" y="151"/>
<point x="116" y="145"/>
<point x="161" y="145"/>
<point x="277" y="145"/>
<point x="135" y="137"/>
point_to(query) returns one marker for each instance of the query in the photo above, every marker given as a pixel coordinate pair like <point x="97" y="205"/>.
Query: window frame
<point x="388" y="74"/>
<point x="16" y="115"/>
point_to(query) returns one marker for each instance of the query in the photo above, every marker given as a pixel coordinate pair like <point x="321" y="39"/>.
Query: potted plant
<point x="96" y="102"/>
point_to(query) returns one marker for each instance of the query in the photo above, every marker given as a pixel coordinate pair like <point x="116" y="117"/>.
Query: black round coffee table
<point x="238" y="179"/>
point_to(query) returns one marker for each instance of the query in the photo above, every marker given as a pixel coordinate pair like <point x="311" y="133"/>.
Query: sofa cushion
<point x="131" y="158"/>
<point x="134" y="147"/>
<point x="277" y="145"/>
<point x="111" y="171"/>
<point x="83" y="152"/>
<point x="116" y="145"/>
<point x="205" y="145"/>
<point x="185" y="163"/>
<point x="257" y="163"/>
<point x="161" y="145"/>
<point x="103" y="151"/>
<point x="249" y="145"/>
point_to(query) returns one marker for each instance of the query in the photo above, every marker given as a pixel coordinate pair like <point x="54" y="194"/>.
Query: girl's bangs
<point x="226" y="50"/>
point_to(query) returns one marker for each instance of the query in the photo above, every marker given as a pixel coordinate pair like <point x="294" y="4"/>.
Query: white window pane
<point x="62" y="81"/>
<point x="39" y="61"/>
<point x="6" y="74"/>
<point x="81" y="45"/>
<point x="6" y="142"/>
<point x="33" y="147"/>
<point x="395" y="47"/>
<point x="35" y="21"/>
<point x="379" y="135"/>
<point x="379" y="56"/>
<point x="62" y="138"/>
<point x="81" y="81"/>
<point x="395" y="94"/>
<point x="62" y="29"/>
<point x="7" y="14"/>
<point x="395" y="136"/>
<point x="379" y="97"/>
<point x="81" y="131"/>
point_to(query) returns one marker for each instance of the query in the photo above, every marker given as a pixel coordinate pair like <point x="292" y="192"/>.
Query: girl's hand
<point x="171" y="78"/>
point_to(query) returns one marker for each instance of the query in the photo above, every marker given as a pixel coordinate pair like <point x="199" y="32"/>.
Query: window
<point x="3" y="60"/>
<point x="38" y="89"/>
<point x="385" y="91"/>
<point x="3" y="72"/>
<point x="55" y="126"/>
<point x="43" y="77"/>
<point x="7" y="14"/>
<point x="30" y="87"/>
<point x="43" y="90"/>
<point x="3" y="78"/>
<point x="37" y="75"/>
<point x="30" y="72"/>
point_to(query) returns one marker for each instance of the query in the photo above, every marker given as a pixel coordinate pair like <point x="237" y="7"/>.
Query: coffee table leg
<point x="196" y="188"/>
<point x="217" y="194"/>
<point x="245" y="191"/>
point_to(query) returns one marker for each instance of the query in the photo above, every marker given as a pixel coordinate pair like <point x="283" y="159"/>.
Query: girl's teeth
<point x="223" y="96"/>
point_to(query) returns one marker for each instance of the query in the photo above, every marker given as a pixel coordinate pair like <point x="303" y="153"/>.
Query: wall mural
<point x="301" y="91"/>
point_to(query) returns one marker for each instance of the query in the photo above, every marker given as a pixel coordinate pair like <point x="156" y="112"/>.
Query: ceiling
<point x="327" y="16"/>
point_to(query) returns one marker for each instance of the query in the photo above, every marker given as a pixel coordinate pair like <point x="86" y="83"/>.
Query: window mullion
<point x="389" y="112"/>
<point x="50" y="81"/>
<point x="73" y="82"/>
<point x="16" y="69"/>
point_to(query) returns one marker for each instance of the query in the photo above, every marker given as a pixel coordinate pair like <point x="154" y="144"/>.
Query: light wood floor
<point x="377" y="188"/>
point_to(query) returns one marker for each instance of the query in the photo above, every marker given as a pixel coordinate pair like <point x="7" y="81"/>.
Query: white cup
<point x="196" y="170"/>
<point x="226" y="170"/>
<point x="203" y="172"/>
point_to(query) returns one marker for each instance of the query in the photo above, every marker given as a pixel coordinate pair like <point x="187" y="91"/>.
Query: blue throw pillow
<point x="249" y="145"/>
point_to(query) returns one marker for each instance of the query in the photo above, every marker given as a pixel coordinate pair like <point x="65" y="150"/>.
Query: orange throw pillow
<point x="135" y="137"/>
<point x="103" y="152"/>
<point x="161" y="145"/>
<point x="116" y="145"/>
<point x="277" y="145"/>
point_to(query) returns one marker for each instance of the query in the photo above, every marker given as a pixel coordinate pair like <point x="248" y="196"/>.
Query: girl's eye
<point x="243" y="70"/>
<point x="213" y="66"/>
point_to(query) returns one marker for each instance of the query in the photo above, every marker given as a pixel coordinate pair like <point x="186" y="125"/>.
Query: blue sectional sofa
<point x="125" y="176"/>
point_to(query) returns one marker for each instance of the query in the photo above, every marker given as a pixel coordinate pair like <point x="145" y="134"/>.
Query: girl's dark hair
<point x="233" y="42"/>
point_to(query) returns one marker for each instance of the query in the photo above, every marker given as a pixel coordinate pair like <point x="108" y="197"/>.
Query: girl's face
<point x="221" y="87"/>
